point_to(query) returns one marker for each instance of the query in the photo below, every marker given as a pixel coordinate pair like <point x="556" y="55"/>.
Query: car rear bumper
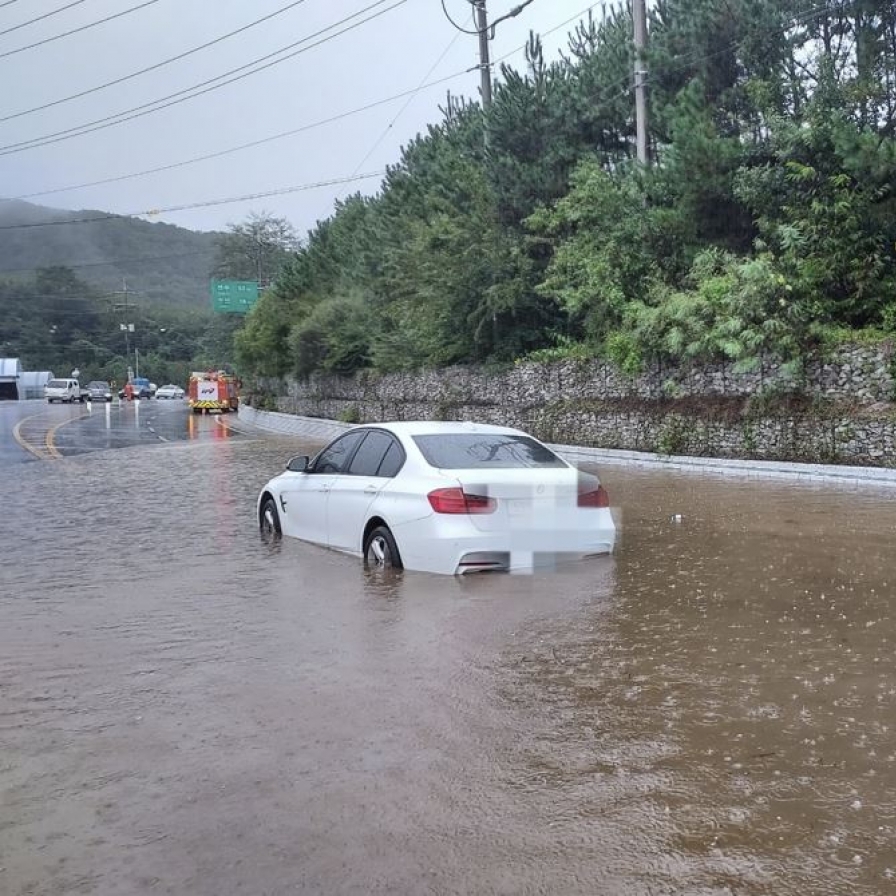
<point x="454" y="545"/>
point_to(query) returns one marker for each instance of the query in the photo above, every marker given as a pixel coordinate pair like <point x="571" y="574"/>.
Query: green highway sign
<point x="234" y="296"/>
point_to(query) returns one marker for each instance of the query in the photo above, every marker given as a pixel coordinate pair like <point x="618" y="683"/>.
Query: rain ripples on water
<point x="184" y="708"/>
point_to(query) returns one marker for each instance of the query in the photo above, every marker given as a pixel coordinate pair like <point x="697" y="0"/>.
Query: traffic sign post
<point x="234" y="296"/>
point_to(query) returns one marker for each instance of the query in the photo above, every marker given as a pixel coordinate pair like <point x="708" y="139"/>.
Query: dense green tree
<point x="55" y="321"/>
<point x="767" y="214"/>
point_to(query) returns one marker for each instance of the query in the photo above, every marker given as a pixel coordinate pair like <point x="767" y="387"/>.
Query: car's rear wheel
<point x="380" y="550"/>
<point x="269" y="519"/>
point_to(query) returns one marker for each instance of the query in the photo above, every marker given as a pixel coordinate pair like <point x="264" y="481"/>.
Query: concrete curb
<point x="315" y="428"/>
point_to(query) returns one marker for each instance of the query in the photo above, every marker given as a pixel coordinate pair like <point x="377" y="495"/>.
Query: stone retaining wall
<point x="843" y="413"/>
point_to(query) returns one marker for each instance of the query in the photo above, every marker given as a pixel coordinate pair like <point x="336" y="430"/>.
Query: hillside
<point x="162" y="262"/>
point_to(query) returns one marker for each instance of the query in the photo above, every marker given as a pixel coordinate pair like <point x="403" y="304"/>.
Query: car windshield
<point x="472" y="451"/>
<point x="57" y="384"/>
<point x="97" y="385"/>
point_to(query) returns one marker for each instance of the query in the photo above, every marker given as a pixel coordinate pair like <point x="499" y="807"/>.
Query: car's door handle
<point x="371" y="490"/>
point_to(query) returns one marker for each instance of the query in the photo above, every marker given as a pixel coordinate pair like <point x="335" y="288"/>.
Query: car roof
<point x="440" y="427"/>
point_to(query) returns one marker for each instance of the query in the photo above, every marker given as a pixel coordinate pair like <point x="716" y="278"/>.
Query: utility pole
<point x="639" y="15"/>
<point x="485" y="33"/>
<point x="485" y="65"/>
<point x="128" y="325"/>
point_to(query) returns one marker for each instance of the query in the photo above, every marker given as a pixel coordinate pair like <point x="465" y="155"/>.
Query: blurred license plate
<point x="519" y="508"/>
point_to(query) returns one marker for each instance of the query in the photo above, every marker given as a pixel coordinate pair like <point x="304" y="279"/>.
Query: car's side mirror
<point x="298" y="464"/>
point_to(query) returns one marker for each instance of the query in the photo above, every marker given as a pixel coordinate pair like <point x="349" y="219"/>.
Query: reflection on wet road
<point x="186" y="709"/>
<point x="32" y="430"/>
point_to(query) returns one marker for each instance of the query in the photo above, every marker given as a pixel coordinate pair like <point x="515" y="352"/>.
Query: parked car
<point x="440" y="497"/>
<point x="170" y="391"/>
<point x="98" y="390"/>
<point x="64" y="390"/>
<point x="138" y="390"/>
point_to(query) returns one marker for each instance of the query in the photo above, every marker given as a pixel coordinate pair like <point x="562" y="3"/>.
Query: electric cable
<point x="135" y="259"/>
<point x="283" y="134"/>
<point x="626" y="84"/>
<point x="208" y="203"/>
<point x="410" y="98"/>
<point x="177" y="97"/>
<point x="240" y="147"/>
<point x="476" y="33"/>
<point x="46" y="15"/>
<point x="553" y="30"/>
<point x="48" y="40"/>
<point x="155" y="66"/>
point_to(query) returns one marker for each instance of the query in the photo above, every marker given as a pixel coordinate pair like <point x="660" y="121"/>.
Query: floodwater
<point x="185" y="709"/>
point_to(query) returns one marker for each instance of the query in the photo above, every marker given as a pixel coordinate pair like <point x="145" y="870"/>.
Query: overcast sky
<point x="406" y="44"/>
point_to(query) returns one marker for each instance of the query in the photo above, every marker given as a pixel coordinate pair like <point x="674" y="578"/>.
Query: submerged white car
<point x="440" y="497"/>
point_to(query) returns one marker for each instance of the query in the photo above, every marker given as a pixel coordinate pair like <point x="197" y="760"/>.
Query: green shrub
<point x="350" y="414"/>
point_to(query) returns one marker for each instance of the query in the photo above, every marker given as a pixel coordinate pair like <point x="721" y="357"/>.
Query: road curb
<point x="317" y="428"/>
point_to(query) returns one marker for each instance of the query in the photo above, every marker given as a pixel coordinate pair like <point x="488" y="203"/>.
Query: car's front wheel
<point x="269" y="519"/>
<point x="380" y="550"/>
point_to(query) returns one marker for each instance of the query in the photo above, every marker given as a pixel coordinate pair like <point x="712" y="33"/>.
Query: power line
<point x="137" y="259"/>
<point x="154" y="67"/>
<point x="242" y="146"/>
<point x="410" y="98"/>
<point x="284" y="134"/>
<point x="279" y="191"/>
<point x="553" y="30"/>
<point x="154" y="106"/>
<point x="46" y="15"/>
<point x="66" y="297"/>
<point x="48" y="40"/>
<point x="460" y="28"/>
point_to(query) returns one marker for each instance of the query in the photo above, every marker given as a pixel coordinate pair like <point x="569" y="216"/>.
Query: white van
<point x="68" y="390"/>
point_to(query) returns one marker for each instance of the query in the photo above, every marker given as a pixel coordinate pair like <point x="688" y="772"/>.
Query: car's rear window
<point x="470" y="451"/>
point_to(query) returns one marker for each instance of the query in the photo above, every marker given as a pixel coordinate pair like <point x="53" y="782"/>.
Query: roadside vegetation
<point x="766" y="223"/>
<point x="53" y="319"/>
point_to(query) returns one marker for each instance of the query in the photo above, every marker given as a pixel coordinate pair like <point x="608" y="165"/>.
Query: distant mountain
<point x="161" y="262"/>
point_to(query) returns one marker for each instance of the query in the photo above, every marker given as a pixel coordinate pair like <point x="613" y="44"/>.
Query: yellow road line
<point x="21" y="441"/>
<point x="50" y="440"/>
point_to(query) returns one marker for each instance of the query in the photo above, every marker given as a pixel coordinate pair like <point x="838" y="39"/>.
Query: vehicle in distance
<point x="440" y="497"/>
<point x="98" y="390"/>
<point x="64" y="390"/>
<point x="170" y="391"/>
<point x="213" y="391"/>
<point x="140" y="388"/>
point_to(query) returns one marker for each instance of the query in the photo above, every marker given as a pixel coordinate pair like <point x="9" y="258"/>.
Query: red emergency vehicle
<point x="213" y="391"/>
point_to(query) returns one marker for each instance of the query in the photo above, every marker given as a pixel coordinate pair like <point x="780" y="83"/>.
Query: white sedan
<point x="170" y="391"/>
<point x="440" y="497"/>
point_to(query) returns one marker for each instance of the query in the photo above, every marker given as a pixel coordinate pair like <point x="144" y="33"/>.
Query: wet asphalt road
<point x="186" y="709"/>
<point x="74" y="429"/>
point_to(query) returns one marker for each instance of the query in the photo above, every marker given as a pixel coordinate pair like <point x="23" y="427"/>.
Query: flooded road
<point x="34" y="429"/>
<point x="185" y="709"/>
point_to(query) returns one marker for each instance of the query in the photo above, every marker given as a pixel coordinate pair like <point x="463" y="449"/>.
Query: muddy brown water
<point x="185" y="709"/>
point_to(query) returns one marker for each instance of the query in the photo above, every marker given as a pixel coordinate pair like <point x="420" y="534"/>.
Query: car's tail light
<point x="596" y="497"/>
<point x="456" y="500"/>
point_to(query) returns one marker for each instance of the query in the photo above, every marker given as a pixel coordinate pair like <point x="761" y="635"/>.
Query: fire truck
<point x="213" y="391"/>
